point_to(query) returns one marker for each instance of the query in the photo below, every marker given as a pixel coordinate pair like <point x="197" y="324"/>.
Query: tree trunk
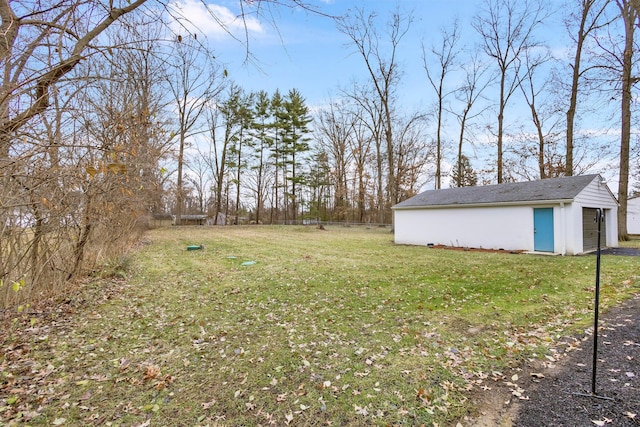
<point x="500" y="130"/>
<point x="237" y="221"/>
<point x="179" y="200"/>
<point x="573" y="97"/>
<point x="629" y="16"/>
<point x="463" y="123"/>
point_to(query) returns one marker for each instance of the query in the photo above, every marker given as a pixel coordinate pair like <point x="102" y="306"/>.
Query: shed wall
<point x="504" y="227"/>
<point x="508" y="227"/>
<point x="596" y="195"/>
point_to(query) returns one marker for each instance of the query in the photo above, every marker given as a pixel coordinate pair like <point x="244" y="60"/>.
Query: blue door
<point x="543" y="229"/>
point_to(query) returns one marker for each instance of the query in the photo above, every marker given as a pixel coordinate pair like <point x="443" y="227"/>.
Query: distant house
<point x="554" y="215"/>
<point x="633" y="214"/>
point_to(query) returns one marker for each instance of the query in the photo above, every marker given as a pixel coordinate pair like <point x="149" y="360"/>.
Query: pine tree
<point x="296" y="143"/>
<point x="260" y="142"/>
<point x="463" y="174"/>
<point x="278" y="113"/>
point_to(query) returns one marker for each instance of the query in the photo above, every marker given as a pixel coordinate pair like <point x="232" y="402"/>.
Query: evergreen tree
<point x="244" y="118"/>
<point x="463" y="174"/>
<point x="260" y="142"/>
<point x="296" y="143"/>
<point x="279" y="115"/>
<point x="228" y="110"/>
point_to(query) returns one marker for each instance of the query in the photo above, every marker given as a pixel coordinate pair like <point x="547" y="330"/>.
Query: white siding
<point x="508" y="227"/>
<point x="497" y="227"/>
<point x="633" y="215"/>
<point x="565" y="222"/>
<point x="596" y="195"/>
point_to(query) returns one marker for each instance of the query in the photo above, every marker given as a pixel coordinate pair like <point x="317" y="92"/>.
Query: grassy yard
<point x="295" y="325"/>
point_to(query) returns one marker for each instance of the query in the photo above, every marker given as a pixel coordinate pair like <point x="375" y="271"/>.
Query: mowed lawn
<point x="295" y="325"/>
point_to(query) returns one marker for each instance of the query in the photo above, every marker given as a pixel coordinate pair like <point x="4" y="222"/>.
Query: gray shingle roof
<point x="563" y="188"/>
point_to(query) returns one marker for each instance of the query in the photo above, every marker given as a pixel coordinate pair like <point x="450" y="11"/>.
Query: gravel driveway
<point x="563" y="396"/>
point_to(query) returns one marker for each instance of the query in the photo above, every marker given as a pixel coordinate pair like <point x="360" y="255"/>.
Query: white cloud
<point x="211" y="20"/>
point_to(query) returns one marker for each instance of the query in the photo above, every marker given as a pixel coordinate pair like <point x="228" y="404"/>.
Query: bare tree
<point x="360" y="146"/>
<point x="506" y="28"/>
<point x="615" y="49"/>
<point x="68" y="181"/>
<point x="445" y="56"/>
<point x="413" y="154"/>
<point x="223" y="116"/>
<point x="533" y="90"/>
<point x="370" y="114"/>
<point x="590" y="19"/>
<point x="199" y="178"/>
<point x="382" y="66"/>
<point x="193" y="80"/>
<point x="636" y="5"/>
<point x="629" y="16"/>
<point x="25" y="40"/>
<point x="475" y="83"/>
<point x="335" y="127"/>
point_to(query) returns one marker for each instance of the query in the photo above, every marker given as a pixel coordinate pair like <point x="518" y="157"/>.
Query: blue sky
<point x="293" y="48"/>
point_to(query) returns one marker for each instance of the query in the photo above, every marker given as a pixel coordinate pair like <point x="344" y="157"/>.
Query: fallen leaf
<point x="288" y="417"/>
<point x="514" y="378"/>
<point x="361" y="410"/>
<point x="59" y="421"/>
<point x="207" y="405"/>
<point x="537" y="375"/>
<point x="151" y="371"/>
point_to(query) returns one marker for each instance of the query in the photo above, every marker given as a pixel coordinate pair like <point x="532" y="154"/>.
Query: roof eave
<point x="485" y="205"/>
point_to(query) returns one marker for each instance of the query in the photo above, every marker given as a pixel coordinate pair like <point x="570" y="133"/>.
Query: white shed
<point x="552" y="215"/>
<point x="633" y="215"/>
